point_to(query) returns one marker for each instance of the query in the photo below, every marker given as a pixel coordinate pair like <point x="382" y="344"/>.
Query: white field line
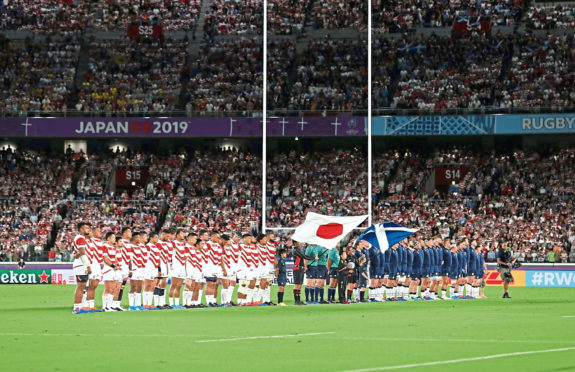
<point x="495" y="356"/>
<point x="459" y="340"/>
<point x="265" y="337"/>
<point x="568" y="316"/>
<point x="162" y="335"/>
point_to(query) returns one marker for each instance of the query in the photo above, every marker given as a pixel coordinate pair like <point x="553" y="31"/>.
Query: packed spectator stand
<point x="211" y="189"/>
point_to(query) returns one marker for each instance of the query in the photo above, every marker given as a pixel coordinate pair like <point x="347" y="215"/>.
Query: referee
<point x="299" y="270"/>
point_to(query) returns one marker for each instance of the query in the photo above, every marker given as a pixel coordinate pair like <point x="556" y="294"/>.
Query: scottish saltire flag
<point x="385" y="235"/>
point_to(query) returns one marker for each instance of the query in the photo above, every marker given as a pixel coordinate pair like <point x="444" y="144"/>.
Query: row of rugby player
<point x="190" y="260"/>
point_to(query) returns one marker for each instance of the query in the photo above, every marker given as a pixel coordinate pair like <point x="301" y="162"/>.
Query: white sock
<point x="171" y="301"/>
<point x="138" y="299"/>
<point x="116" y="304"/>
<point x="453" y="291"/>
<point x="131" y="299"/>
<point x="200" y="296"/>
<point x="231" y="293"/>
<point x="90" y="303"/>
<point x="468" y="290"/>
<point x="84" y="298"/>
<point x="157" y="300"/>
<point x="177" y="301"/>
<point x="250" y="296"/>
<point x="443" y="293"/>
<point x="460" y="290"/>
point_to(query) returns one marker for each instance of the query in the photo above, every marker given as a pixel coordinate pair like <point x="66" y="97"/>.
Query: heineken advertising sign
<point x="25" y="276"/>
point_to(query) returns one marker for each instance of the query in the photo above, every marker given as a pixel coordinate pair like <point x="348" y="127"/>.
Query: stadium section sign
<point x="25" y="276"/>
<point x="144" y="31"/>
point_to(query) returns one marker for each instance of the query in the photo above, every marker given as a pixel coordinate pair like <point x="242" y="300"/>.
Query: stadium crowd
<point x="132" y="76"/>
<point x="331" y="182"/>
<point x="400" y="15"/>
<point x="231" y="17"/>
<point x="226" y="77"/>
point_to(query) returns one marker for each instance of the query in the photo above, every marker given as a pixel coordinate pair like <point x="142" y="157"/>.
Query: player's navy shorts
<point x="408" y="271"/>
<point x="82" y="278"/>
<point x="471" y="273"/>
<point x="392" y="274"/>
<point x="373" y="272"/>
<point x="444" y="271"/>
<point x="415" y="275"/>
<point x="333" y="272"/>
<point x="403" y="269"/>
<point x="282" y="279"/>
<point x="362" y="282"/>
<point x="312" y="272"/>
<point x="453" y="274"/>
<point x="321" y="272"/>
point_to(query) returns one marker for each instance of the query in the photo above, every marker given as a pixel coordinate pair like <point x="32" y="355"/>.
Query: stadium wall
<point x="529" y="275"/>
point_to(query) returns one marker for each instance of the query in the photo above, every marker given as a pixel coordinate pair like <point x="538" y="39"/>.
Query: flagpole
<point x="369" y="93"/>
<point x="265" y="117"/>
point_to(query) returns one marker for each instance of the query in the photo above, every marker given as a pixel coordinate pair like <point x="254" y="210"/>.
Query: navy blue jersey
<point x="438" y="259"/>
<point x="480" y="264"/>
<point x="408" y="261"/>
<point x="472" y="263"/>
<point x="454" y="263"/>
<point x="417" y="261"/>
<point x="461" y="260"/>
<point x="446" y="259"/>
<point x="400" y="249"/>
<point x="393" y="260"/>
<point x="426" y="258"/>
<point x="373" y="257"/>
<point x="404" y="259"/>
<point x="387" y="258"/>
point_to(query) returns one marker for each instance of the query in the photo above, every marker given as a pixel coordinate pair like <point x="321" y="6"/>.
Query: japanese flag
<point x="325" y="231"/>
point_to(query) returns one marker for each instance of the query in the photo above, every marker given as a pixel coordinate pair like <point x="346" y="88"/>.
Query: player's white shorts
<point x="79" y="268"/>
<point x="164" y="270"/>
<point x="261" y="272"/>
<point x="96" y="272"/>
<point x="193" y="273"/>
<point x="125" y="273"/>
<point x="138" y="273"/>
<point x="178" y="271"/>
<point x="109" y="274"/>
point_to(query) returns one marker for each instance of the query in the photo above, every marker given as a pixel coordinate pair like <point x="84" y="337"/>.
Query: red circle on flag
<point x="330" y="230"/>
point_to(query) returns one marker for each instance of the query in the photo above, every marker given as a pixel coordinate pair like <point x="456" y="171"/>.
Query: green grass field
<point x="39" y="333"/>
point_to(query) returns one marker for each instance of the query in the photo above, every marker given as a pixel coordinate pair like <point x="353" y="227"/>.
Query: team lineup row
<point x="195" y="262"/>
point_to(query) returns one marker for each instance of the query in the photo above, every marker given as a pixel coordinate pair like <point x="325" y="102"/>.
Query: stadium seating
<point x="330" y="182"/>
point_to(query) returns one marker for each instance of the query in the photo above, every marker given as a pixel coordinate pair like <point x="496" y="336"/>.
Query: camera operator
<point x="505" y="261"/>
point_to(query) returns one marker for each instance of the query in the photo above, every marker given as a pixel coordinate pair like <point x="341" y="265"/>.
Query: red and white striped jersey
<point x="192" y="258"/>
<point x="153" y="254"/>
<point x="137" y="257"/>
<point x="92" y="251"/>
<point x="214" y="252"/>
<point x="164" y="252"/>
<point x="246" y="256"/>
<point x="258" y="255"/>
<point x="171" y="248"/>
<point x="233" y="254"/>
<point x="202" y="256"/>
<point x="145" y="250"/>
<point x="271" y="252"/>
<point x="180" y="252"/>
<point x="78" y="243"/>
<point x="97" y="250"/>
<point x="127" y="252"/>
<point x="110" y="252"/>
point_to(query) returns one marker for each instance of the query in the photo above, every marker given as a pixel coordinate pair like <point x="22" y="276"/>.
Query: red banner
<point x="131" y="177"/>
<point x="446" y="175"/>
<point x="143" y="31"/>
